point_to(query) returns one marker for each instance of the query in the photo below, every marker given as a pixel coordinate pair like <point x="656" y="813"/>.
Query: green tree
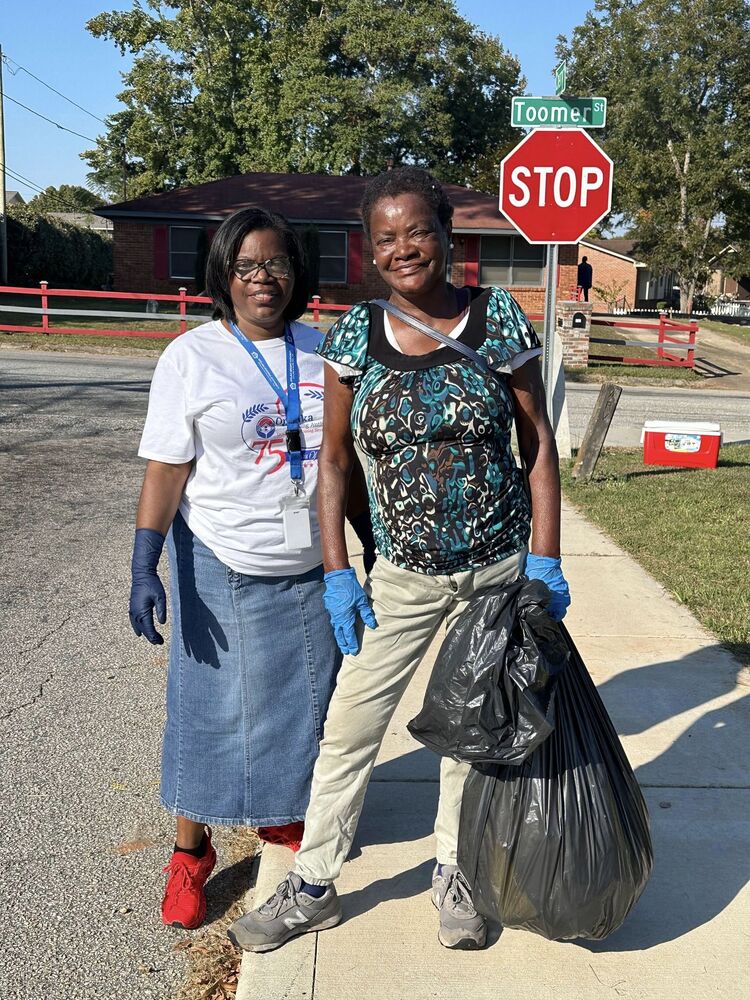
<point x="65" y="198"/>
<point x="676" y="74"/>
<point x="224" y="87"/>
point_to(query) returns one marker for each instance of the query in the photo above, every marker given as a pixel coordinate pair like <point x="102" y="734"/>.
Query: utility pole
<point x="3" y="214"/>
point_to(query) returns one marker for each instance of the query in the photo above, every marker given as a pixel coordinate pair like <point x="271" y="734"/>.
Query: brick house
<point x="615" y="262"/>
<point x="613" y="265"/>
<point x="157" y="238"/>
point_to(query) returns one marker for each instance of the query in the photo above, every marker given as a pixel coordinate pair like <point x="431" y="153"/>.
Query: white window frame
<point x="182" y="277"/>
<point x="511" y="264"/>
<point x="345" y="280"/>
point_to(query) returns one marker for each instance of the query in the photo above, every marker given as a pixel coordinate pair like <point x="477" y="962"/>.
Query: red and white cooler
<point x="674" y="442"/>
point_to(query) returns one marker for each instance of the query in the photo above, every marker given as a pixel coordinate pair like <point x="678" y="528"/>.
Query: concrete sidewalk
<point x="682" y="707"/>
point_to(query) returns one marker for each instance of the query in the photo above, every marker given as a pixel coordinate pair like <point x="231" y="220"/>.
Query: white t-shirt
<point x="209" y="402"/>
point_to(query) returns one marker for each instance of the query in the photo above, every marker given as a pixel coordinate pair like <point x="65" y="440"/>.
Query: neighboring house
<point x="156" y="238"/>
<point x="615" y="262"/>
<point x="14" y="198"/>
<point x="86" y="220"/>
<point x="730" y="288"/>
<point x="613" y="265"/>
<point x="721" y="285"/>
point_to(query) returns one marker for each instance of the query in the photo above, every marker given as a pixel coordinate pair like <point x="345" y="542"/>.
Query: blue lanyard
<point x="290" y="399"/>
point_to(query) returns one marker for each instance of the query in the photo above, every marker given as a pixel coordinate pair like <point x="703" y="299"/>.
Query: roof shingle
<point x="300" y="197"/>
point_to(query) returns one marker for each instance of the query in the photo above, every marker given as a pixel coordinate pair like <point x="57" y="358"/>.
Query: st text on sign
<point x="536" y="112"/>
<point x="555" y="185"/>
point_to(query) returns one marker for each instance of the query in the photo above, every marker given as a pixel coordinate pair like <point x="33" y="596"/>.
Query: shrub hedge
<point x="41" y="248"/>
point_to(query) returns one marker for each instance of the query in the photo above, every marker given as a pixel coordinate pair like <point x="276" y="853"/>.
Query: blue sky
<point x="50" y="40"/>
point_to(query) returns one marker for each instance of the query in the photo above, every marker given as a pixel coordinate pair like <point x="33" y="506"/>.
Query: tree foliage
<point x="65" y="198"/>
<point x="676" y="74"/>
<point x="45" y="248"/>
<point x="342" y="86"/>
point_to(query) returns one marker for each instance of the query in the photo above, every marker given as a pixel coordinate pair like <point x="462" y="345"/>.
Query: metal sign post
<point x="548" y="353"/>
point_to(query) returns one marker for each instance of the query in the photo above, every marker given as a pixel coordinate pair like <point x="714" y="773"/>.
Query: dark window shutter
<point x="354" y="262"/>
<point x="471" y="267"/>
<point x="161" y="252"/>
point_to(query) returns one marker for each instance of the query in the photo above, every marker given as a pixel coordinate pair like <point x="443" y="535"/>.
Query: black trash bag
<point x="491" y="696"/>
<point x="561" y="845"/>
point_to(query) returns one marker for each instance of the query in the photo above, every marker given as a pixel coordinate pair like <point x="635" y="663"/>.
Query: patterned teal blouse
<point x="445" y="492"/>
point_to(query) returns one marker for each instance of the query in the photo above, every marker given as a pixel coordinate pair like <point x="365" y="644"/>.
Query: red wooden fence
<point x="316" y="307"/>
<point x="666" y="345"/>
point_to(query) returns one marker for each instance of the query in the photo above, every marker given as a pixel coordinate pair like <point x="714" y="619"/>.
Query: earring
<point x="373" y="260"/>
<point x="450" y="246"/>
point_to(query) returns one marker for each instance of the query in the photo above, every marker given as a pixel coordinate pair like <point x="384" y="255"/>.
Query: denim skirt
<point x="252" y="666"/>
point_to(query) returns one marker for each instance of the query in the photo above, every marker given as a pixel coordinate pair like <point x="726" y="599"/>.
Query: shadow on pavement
<point x="698" y="795"/>
<point x="412" y="882"/>
<point x="642" y="697"/>
<point x="118" y="385"/>
<point x="417" y="765"/>
<point x="228" y="886"/>
<point x="697" y="790"/>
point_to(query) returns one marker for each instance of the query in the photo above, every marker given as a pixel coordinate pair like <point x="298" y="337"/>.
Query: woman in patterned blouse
<point x="451" y="517"/>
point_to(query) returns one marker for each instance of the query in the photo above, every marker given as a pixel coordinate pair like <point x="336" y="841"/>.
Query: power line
<point x="35" y="187"/>
<point x="50" y="120"/>
<point x="7" y="60"/>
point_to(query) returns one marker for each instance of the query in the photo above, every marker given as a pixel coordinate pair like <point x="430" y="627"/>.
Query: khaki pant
<point x="409" y="607"/>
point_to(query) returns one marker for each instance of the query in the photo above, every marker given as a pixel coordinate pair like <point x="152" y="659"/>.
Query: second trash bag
<point x="559" y="845"/>
<point x="491" y="696"/>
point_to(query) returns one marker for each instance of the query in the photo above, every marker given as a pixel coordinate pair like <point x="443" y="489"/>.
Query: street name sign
<point x="559" y="112"/>
<point x="561" y="78"/>
<point x="555" y="185"/>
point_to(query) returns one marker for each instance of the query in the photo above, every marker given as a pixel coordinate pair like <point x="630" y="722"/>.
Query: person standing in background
<point x="585" y="277"/>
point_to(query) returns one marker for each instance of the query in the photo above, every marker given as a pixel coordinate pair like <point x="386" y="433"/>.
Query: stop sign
<point x="555" y="185"/>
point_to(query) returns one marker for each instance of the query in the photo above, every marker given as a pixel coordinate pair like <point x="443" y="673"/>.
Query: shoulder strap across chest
<point x="417" y="324"/>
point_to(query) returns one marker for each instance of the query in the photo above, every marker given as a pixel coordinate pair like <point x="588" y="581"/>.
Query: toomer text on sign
<point x="541" y="112"/>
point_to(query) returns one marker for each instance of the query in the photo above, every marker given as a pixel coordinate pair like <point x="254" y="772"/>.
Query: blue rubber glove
<point x="344" y="599"/>
<point x="146" y="590"/>
<point x="548" y="570"/>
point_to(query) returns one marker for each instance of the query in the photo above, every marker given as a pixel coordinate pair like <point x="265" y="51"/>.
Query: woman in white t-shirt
<point x="232" y="438"/>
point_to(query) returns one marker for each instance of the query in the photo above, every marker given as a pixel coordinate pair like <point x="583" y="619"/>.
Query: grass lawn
<point x="629" y="374"/>
<point x="598" y="371"/>
<point x="84" y="342"/>
<point x="735" y="331"/>
<point x="688" y="527"/>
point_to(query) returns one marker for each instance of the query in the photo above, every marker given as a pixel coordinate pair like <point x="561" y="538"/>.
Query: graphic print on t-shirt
<point x="264" y="430"/>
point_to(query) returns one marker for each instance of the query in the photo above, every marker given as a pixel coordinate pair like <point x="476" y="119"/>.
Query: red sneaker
<point x="184" y="903"/>
<point x="290" y="835"/>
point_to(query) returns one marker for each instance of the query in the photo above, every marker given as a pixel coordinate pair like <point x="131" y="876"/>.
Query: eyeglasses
<point x="276" y="267"/>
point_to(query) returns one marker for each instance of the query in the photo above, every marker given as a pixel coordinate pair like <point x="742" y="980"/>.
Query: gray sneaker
<point x="286" y="914"/>
<point x="461" y="926"/>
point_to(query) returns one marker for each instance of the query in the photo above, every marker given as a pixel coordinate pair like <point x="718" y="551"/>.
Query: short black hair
<point x="406" y="180"/>
<point x="225" y="247"/>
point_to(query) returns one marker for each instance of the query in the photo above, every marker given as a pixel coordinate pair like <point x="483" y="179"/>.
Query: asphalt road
<point x="81" y="699"/>
<point x="640" y="403"/>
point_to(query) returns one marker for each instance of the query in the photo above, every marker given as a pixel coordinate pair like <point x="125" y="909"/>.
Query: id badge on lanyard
<point x="295" y="508"/>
